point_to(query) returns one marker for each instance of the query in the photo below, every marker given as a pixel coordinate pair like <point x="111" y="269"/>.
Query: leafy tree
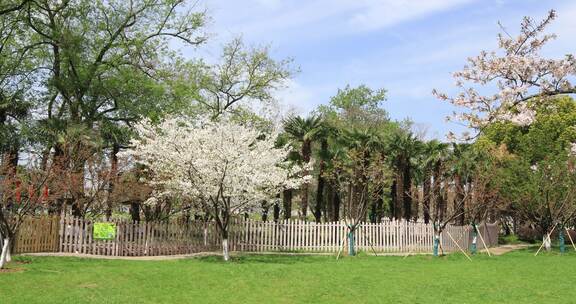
<point x="10" y="6"/>
<point x="303" y="132"/>
<point x="545" y="195"/>
<point x="16" y="78"/>
<point x="352" y="108"/>
<point x="323" y="136"/>
<point x="360" y="175"/>
<point x="226" y="168"/>
<point x="434" y="154"/>
<point x="404" y="147"/>
<point x="462" y="162"/>
<point x="540" y="150"/>
<point x="100" y="67"/>
<point x="242" y="74"/>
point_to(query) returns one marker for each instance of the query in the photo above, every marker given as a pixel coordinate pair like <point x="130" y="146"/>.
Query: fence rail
<point x="75" y="235"/>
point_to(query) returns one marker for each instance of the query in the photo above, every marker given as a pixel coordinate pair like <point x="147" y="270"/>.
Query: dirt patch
<point x="500" y="250"/>
<point x="11" y="270"/>
<point x="138" y="258"/>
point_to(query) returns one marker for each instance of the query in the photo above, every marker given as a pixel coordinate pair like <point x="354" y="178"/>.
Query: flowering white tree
<point x="227" y="167"/>
<point x="520" y="74"/>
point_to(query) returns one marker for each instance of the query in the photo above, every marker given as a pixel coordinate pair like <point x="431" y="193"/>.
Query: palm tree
<point x="292" y="158"/>
<point x="462" y="166"/>
<point x="370" y="142"/>
<point x="303" y="132"/>
<point x="438" y="158"/>
<point x="336" y="150"/>
<point x="434" y="153"/>
<point x="325" y="131"/>
<point x="404" y="147"/>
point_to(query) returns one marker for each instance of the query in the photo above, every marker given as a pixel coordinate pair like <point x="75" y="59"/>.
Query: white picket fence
<point x="387" y="236"/>
<point x="75" y="235"/>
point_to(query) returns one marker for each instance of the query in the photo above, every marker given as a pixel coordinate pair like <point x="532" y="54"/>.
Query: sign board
<point x="104" y="231"/>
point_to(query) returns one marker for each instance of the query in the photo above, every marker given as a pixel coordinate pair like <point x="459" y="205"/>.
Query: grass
<point x="516" y="277"/>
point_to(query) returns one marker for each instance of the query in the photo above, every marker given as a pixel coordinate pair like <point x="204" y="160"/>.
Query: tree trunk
<point x="393" y="196"/>
<point x="336" y="206"/>
<point x="416" y="200"/>
<point x="459" y="199"/>
<point x="330" y="201"/>
<point x="320" y="203"/>
<point x="8" y="168"/>
<point x="112" y="179"/>
<point x="439" y="207"/>
<point x="4" y="256"/>
<point x="319" y="197"/>
<point x="399" y="194"/>
<point x="426" y="194"/>
<point x="379" y="206"/>
<point x="287" y="203"/>
<point x="436" y="242"/>
<point x="225" y="251"/>
<point x="78" y="177"/>
<point x="304" y="201"/>
<point x="135" y="211"/>
<point x="407" y="200"/>
<point x="474" y="245"/>
<point x="265" y="209"/>
<point x="77" y="210"/>
<point x="547" y="242"/>
<point x="351" y="241"/>
<point x="276" y="212"/>
<point x="306" y="153"/>
<point x="561" y="241"/>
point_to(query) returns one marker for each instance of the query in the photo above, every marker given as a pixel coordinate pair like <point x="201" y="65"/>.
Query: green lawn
<point x="516" y="277"/>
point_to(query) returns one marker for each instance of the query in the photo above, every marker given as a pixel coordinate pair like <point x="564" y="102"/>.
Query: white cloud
<point x="384" y="13"/>
<point x="321" y="17"/>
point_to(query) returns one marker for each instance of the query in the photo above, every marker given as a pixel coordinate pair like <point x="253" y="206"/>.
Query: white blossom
<point x="518" y="73"/>
<point x="214" y="161"/>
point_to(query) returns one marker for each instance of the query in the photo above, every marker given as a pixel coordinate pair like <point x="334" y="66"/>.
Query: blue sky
<point x="407" y="47"/>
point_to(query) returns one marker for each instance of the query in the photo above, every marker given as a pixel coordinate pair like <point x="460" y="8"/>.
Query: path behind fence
<point x="75" y="235"/>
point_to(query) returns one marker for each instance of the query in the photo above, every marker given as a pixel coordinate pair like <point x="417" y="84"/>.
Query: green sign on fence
<point x="104" y="231"/>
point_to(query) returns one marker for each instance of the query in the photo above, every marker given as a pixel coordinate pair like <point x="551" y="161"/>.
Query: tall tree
<point x="351" y="108"/>
<point x="539" y="151"/>
<point x="105" y="66"/>
<point x="462" y="168"/>
<point x="323" y="136"/>
<point x="228" y="168"/>
<point x="303" y="132"/>
<point x="360" y="175"/>
<point x="405" y="147"/>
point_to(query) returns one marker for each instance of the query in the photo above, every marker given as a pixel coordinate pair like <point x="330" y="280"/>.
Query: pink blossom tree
<point x="519" y="74"/>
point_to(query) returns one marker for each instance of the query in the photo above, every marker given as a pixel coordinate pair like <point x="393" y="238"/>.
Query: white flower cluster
<point x="517" y="71"/>
<point x="217" y="161"/>
<point x="523" y="116"/>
